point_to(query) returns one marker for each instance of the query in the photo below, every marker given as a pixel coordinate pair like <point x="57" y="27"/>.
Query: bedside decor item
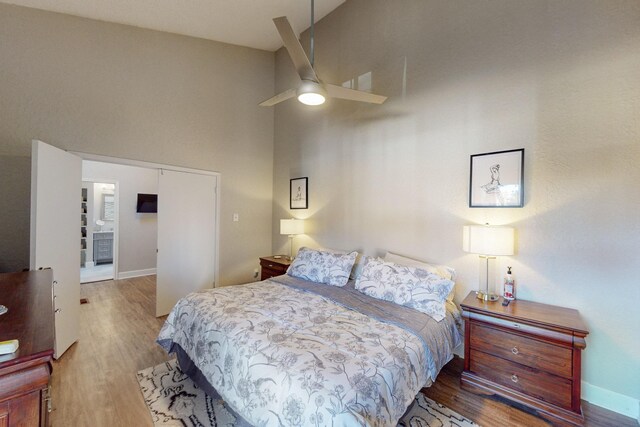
<point x="291" y="227"/>
<point x="529" y="353"/>
<point x="298" y="193"/>
<point x="496" y="180"/>
<point x="509" y="288"/>
<point x="488" y="242"/>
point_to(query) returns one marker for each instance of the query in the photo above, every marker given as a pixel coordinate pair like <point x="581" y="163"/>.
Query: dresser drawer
<point x="543" y="386"/>
<point x="531" y="352"/>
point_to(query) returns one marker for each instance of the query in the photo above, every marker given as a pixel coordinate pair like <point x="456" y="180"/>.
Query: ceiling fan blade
<point x="283" y="96"/>
<point x="296" y="52"/>
<point x="353" y="95"/>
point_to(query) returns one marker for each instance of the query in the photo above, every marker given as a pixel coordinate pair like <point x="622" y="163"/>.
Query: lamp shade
<point x="487" y="240"/>
<point x="291" y="226"/>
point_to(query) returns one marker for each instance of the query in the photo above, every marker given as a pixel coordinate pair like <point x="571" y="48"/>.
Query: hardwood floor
<point x="94" y="382"/>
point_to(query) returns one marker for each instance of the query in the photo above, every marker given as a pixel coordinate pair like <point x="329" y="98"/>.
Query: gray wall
<point x="15" y="200"/>
<point x="559" y="78"/>
<point x="137" y="233"/>
<point x="126" y="92"/>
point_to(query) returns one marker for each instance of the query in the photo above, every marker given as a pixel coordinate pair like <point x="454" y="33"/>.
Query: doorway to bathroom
<point x="98" y="226"/>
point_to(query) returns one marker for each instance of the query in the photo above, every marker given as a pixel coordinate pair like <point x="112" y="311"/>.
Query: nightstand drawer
<point x="546" y="387"/>
<point x="268" y="273"/>
<point x="534" y="353"/>
<point x="273" y="267"/>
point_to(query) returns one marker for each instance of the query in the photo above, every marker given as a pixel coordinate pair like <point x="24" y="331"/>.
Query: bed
<point x="288" y="351"/>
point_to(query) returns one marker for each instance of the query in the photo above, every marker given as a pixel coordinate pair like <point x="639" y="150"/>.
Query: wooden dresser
<point x="271" y="266"/>
<point x="24" y="375"/>
<point x="527" y="352"/>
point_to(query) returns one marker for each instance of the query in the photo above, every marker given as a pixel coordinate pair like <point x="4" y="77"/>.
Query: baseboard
<point x="136" y="273"/>
<point x="611" y="400"/>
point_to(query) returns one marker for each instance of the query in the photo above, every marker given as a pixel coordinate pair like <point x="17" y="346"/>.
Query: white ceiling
<point x="240" y="22"/>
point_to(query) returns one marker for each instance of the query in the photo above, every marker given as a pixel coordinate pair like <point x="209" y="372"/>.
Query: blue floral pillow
<point x="411" y="287"/>
<point x="322" y="267"/>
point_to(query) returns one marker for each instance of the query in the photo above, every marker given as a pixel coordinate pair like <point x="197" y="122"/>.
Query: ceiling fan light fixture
<point x="311" y="93"/>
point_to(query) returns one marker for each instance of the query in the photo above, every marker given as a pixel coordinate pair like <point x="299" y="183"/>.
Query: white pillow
<point x="441" y="270"/>
<point x="412" y="287"/>
<point x="357" y="266"/>
<point x="322" y="267"/>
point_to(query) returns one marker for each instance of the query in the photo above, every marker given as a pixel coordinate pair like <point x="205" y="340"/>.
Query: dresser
<point x="271" y="266"/>
<point x="526" y="352"/>
<point x="25" y="374"/>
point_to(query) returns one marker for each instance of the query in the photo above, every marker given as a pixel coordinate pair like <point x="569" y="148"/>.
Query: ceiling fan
<point x="311" y="91"/>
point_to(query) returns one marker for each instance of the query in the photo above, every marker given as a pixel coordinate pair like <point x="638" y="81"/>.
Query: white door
<point x="56" y="178"/>
<point x="186" y="236"/>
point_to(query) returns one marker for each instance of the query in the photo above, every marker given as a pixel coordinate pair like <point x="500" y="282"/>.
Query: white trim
<point x="216" y="274"/>
<point x="136" y="273"/>
<point x="616" y="402"/>
<point x="140" y="163"/>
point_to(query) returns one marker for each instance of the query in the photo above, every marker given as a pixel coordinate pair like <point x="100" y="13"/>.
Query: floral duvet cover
<point x="287" y="352"/>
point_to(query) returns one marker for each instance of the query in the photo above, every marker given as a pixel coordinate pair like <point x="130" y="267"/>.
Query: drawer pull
<point x="270" y="265"/>
<point x="514" y="350"/>
<point x="515" y="325"/>
<point x="514" y="378"/>
<point x="47" y="398"/>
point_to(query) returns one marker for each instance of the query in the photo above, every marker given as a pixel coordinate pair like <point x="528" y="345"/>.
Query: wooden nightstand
<point x="271" y="266"/>
<point x="527" y="352"/>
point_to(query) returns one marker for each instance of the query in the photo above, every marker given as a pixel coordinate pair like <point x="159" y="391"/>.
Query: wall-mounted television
<point x="147" y="203"/>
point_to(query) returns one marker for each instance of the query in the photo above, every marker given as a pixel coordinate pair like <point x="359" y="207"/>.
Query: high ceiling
<point x="240" y="22"/>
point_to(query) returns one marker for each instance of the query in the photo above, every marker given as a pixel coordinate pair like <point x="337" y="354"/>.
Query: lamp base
<point x="487" y="297"/>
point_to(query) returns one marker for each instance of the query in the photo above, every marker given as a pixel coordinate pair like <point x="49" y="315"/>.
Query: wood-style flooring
<point x="94" y="382"/>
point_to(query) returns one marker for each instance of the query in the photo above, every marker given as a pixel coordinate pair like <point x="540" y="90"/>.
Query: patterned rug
<point x="174" y="400"/>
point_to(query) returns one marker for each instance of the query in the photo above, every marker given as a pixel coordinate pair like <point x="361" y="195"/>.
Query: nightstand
<point x="527" y="352"/>
<point x="271" y="266"/>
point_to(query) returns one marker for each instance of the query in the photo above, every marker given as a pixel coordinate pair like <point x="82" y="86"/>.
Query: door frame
<point x="116" y="228"/>
<point x="159" y="167"/>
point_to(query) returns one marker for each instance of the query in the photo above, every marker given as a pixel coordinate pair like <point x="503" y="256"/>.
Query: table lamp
<point x="291" y="227"/>
<point x="488" y="242"/>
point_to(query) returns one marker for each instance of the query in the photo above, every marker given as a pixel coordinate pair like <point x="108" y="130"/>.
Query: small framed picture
<point x="298" y="193"/>
<point x="497" y="180"/>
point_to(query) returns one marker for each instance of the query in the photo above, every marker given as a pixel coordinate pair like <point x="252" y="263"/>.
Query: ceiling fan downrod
<point x="312" y="49"/>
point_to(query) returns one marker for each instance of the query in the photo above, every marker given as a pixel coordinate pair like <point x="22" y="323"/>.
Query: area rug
<point x="174" y="400"/>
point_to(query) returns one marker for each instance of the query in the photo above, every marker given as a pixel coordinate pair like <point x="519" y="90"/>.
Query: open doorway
<point x="98" y="226"/>
<point x="185" y="228"/>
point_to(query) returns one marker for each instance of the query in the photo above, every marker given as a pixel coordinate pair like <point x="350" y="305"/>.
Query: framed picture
<point x="497" y="180"/>
<point x="298" y="193"/>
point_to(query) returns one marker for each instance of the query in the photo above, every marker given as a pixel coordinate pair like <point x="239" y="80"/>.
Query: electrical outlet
<point x="236" y="217"/>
